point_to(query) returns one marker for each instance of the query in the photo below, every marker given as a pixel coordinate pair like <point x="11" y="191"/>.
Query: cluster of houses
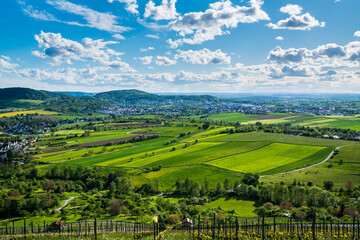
<point x="16" y="145"/>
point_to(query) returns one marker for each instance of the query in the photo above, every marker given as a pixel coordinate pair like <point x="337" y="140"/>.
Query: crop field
<point x="241" y="207"/>
<point x="196" y="154"/>
<point x="201" y="173"/>
<point x="40" y="112"/>
<point x="266" y="158"/>
<point x="338" y="173"/>
<point x="346" y="122"/>
<point x="240" y="117"/>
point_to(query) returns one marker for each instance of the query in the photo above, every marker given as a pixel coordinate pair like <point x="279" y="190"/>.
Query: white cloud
<point x="6" y="65"/>
<point x="153" y="36"/>
<point x="165" y="11"/>
<point x="291" y="9"/>
<point x="215" y="21"/>
<point x="131" y="5"/>
<point x="357" y="34"/>
<point x="61" y="50"/>
<point x="165" y="61"/>
<point x="297" y="22"/>
<point x="118" y="36"/>
<point x="146" y="60"/>
<point x="147" y="49"/>
<point x="279" y="38"/>
<point x="102" y="21"/>
<point x="204" y="56"/>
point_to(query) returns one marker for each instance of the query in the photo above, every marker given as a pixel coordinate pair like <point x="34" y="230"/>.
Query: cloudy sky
<point x="181" y="45"/>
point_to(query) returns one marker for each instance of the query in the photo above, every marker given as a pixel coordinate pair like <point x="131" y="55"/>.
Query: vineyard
<point x="201" y="228"/>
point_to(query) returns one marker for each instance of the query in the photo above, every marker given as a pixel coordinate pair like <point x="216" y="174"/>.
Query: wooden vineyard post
<point x="237" y="229"/>
<point x="263" y="227"/>
<point x="95" y="229"/>
<point x="313" y="226"/>
<point x="213" y="228"/>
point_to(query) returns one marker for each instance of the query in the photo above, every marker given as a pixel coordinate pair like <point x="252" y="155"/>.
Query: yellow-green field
<point x="40" y="112"/>
<point x="266" y="158"/>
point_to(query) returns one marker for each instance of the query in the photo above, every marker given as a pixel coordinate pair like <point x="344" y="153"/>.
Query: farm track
<point x="65" y="204"/>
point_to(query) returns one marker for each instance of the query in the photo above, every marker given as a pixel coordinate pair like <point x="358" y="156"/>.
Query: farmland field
<point x="241" y="207"/>
<point x="198" y="155"/>
<point x="40" y="112"/>
<point x="345" y="122"/>
<point x="266" y="158"/>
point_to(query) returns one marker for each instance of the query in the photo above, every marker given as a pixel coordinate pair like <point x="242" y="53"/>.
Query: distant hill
<point x="26" y="93"/>
<point x="78" y="94"/>
<point x="80" y="101"/>
<point x="127" y="96"/>
<point x="136" y="95"/>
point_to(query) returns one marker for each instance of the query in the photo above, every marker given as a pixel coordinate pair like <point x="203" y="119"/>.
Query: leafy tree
<point x="173" y="219"/>
<point x="116" y="206"/>
<point x="328" y="185"/>
<point x="251" y="179"/>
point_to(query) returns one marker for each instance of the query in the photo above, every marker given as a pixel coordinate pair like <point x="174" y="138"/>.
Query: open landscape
<point x="180" y="120"/>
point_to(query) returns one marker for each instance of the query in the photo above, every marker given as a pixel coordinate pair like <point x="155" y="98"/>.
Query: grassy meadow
<point x="189" y="152"/>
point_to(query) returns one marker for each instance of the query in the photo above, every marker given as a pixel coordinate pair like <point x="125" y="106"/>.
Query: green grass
<point x="209" y="153"/>
<point x="280" y="138"/>
<point x="242" y="208"/>
<point x="168" y="176"/>
<point x="266" y="158"/>
<point x="339" y="174"/>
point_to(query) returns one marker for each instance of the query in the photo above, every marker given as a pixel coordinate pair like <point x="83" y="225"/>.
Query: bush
<point x="173" y="219"/>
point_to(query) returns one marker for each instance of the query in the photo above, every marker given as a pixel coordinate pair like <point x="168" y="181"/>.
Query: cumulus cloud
<point x="291" y="9"/>
<point x="165" y="11"/>
<point x="357" y="34"/>
<point x="215" y="21"/>
<point x="61" y="50"/>
<point x="102" y="21"/>
<point x="131" y="5"/>
<point x="280" y="55"/>
<point x="146" y="60"/>
<point x="204" y="56"/>
<point x="279" y="38"/>
<point x="296" y="21"/>
<point x="328" y="51"/>
<point x="164" y="61"/>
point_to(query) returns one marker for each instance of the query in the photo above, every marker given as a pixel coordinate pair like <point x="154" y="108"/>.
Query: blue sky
<point x="181" y="45"/>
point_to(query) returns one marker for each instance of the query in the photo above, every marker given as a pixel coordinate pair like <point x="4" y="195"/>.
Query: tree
<point x="10" y="154"/>
<point x="173" y="219"/>
<point x="351" y="211"/>
<point x="251" y="179"/>
<point x="206" y="125"/>
<point x="349" y="185"/>
<point x="116" y="207"/>
<point x="48" y="185"/>
<point x="328" y="185"/>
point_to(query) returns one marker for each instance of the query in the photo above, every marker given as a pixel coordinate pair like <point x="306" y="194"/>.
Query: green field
<point x="266" y="158"/>
<point x="242" y="208"/>
<point x="346" y="122"/>
<point x="199" y="155"/>
<point x="339" y="174"/>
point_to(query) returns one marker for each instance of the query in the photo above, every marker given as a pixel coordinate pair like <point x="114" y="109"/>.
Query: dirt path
<point x="65" y="204"/>
<point x="326" y="159"/>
